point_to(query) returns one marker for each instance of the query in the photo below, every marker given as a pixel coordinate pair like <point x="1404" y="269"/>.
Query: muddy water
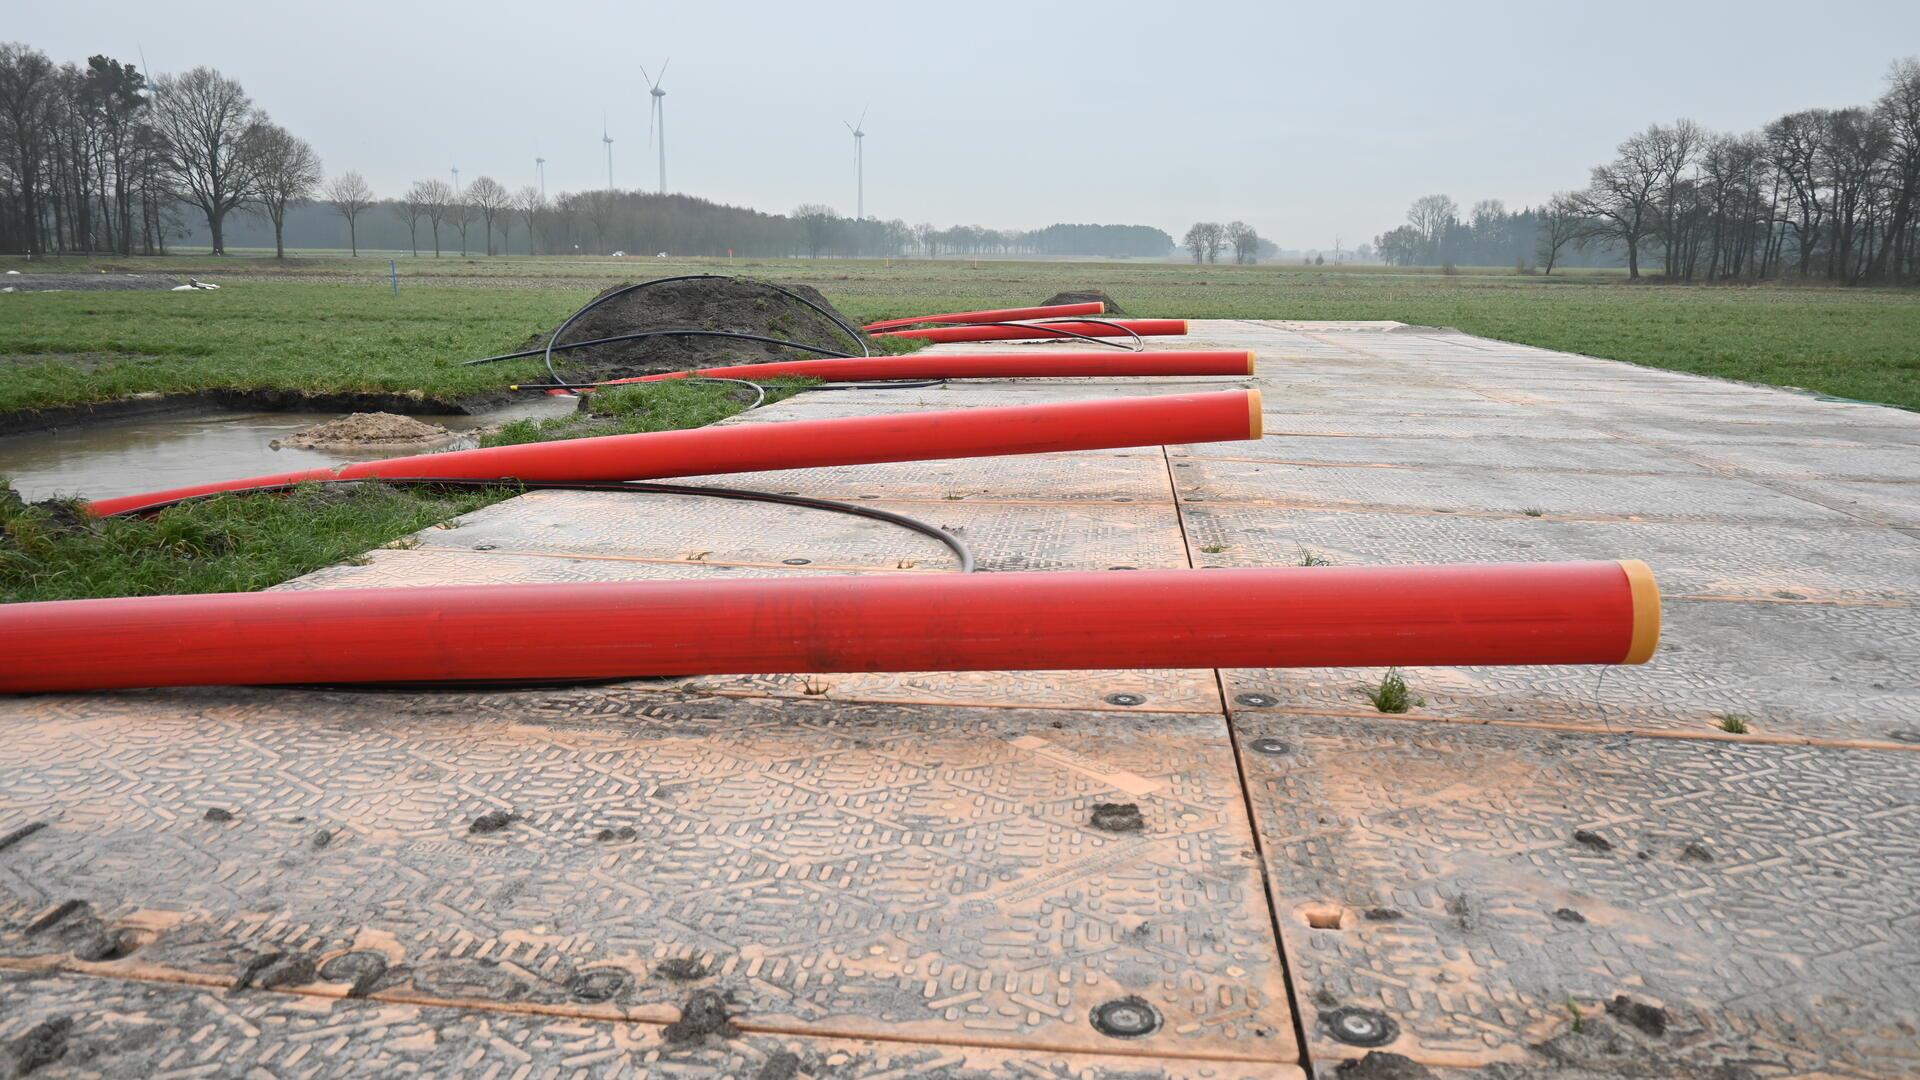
<point x="173" y="450"/>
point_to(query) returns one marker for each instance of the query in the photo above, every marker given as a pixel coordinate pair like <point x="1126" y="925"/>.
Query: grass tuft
<point x="1392" y="696"/>
<point x="1733" y="723"/>
<point x="1308" y="558"/>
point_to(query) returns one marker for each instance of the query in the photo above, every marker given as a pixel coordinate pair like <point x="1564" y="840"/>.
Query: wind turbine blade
<point x="644" y="75"/>
<point x="846" y="125"/>
<point x="862" y="122"/>
<point x="663" y="69"/>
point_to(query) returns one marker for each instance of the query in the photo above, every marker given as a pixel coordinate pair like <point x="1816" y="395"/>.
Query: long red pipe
<point x="1517" y="613"/>
<point x="1143" y="327"/>
<point x="799" y="444"/>
<point x="1049" y="364"/>
<point x="1047" y="311"/>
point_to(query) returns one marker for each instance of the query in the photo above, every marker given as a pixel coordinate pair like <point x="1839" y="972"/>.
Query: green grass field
<point x="330" y="323"/>
<point x="238" y="543"/>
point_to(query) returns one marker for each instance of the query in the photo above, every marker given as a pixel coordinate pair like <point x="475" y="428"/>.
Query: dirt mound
<point x="1085" y="296"/>
<point x="366" y="429"/>
<point x="736" y="304"/>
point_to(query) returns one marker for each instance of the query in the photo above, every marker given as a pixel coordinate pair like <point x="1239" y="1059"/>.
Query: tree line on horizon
<point x="1829" y="194"/>
<point x="102" y="159"/>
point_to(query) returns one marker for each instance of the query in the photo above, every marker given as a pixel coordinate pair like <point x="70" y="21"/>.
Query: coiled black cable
<point x="853" y="333"/>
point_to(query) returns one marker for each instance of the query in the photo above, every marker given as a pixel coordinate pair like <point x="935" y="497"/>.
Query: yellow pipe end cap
<point x="1253" y="414"/>
<point x="1645" y="593"/>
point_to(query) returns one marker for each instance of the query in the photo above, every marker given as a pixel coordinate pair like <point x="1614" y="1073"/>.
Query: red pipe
<point x="1048" y="311"/>
<point x="800" y="444"/>
<point x="1009" y="365"/>
<point x="1516" y="613"/>
<point x="1143" y="327"/>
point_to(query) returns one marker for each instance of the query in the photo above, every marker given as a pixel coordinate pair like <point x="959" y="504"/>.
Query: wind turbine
<point x="858" y="127"/>
<point x="540" y="166"/>
<point x="456" y="179"/>
<point x="147" y="85"/>
<point x="657" y="118"/>
<point x="608" y="139"/>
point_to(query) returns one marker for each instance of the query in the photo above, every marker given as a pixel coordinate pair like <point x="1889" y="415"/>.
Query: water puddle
<point x="154" y="453"/>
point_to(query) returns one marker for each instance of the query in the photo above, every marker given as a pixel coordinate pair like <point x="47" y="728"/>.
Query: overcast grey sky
<point x="1305" y="120"/>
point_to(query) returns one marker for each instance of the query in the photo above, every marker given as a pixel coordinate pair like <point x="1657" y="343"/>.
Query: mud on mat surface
<point x="987" y="877"/>
<point x="1469" y="896"/>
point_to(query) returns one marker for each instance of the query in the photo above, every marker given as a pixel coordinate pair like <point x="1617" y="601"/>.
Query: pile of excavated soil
<point x="366" y="430"/>
<point x="1084" y="296"/>
<point x="735" y="304"/>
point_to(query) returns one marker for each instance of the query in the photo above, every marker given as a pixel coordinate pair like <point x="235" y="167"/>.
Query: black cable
<point x="546" y="354"/>
<point x="737" y="335"/>
<point x="952" y="542"/>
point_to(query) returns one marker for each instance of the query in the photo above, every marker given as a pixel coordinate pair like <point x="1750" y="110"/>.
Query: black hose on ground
<point x="951" y="542"/>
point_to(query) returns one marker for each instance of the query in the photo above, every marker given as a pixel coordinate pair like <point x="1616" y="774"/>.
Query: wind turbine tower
<point x="657" y="119"/>
<point x="608" y="139"/>
<point x="456" y="179"/>
<point x="858" y="127"/>
<point x="540" y="166"/>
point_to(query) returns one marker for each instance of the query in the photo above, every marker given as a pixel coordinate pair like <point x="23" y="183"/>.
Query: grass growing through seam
<point x="1392" y="695"/>
<point x="239" y="543"/>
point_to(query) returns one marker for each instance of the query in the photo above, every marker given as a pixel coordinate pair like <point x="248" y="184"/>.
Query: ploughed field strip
<point x="1101" y="873"/>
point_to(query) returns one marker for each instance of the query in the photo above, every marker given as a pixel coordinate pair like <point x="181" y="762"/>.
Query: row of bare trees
<point x="1820" y="193"/>
<point x="1207" y="239"/>
<point x="103" y="158"/>
<point x="1828" y="194"/>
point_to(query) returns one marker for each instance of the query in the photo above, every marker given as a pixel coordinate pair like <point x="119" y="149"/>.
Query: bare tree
<point x="532" y="206"/>
<point x="204" y="120"/>
<point x="28" y="84"/>
<point x="599" y="210"/>
<point x="1244" y="241"/>
<point x="1431" y="216"/>
<point x="1204" y="240"/>
<point x="566" y="211"/>
<point x="1899" y="110"/>
<point x="817" y="220"/>
<point x="289" y="171"/>
<point x="459" y="214"/>
<point x="433" y="196"/>
<point x="350" y="196"/>
<point x="1560" y="222"/>
<point x="1621" y="202"/>
<point x="410" y="207"/>
<point x="491" y="200"/>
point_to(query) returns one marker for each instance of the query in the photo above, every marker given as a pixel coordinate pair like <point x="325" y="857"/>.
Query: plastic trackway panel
<point x="1788" y="671"/>
<point x="1767" y="563"/>
<point x="835" y="869"/>
<point x="1455" y="489"/>
<point x="113" y="1027"/>
<point x="1459" y="896"/>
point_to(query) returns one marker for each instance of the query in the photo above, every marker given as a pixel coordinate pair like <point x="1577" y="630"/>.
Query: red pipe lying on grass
<point x="1516" y="613"/>
<point x="799" y="444"/>
<point x="1013" y="365"/>
<point x="1143" y="327"/>
<point x="1048" y="311"/>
